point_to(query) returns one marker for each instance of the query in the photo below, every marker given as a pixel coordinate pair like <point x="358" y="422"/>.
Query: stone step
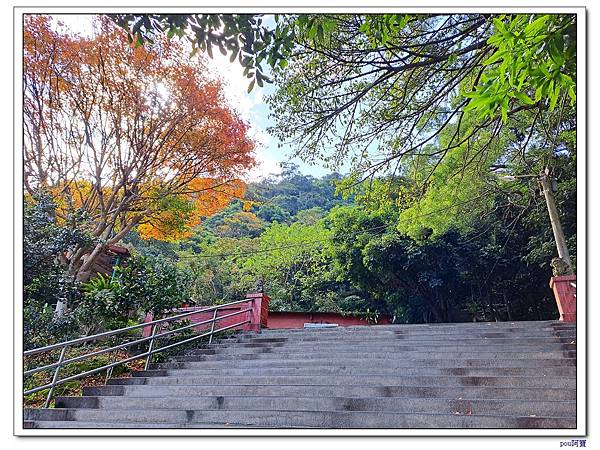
<point x="172" y="368"/>
<point x="397" y="339"/>
<point x="321" y="419"/>
<point x="351" y="361"/>
<point x="469" y="375"/>
<point x="405" y="355"/>
<point x="507" y="327"/>
<point x="275" y="380"/>
<point x="463" y="331"/>
<point x="388" y="404"/>
<point x="450" y="325"/>
<point x="383" y="335"/>
<point x="384" y="348"/>
<point x="66" y="424"/>
<point x="329" y="390"/>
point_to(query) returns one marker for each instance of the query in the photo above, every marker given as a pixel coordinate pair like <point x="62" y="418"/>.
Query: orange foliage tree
<point x="134" y="137"/>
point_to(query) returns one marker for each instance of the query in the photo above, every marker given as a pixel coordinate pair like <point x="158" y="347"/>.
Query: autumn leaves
<point x="134" y="137"/>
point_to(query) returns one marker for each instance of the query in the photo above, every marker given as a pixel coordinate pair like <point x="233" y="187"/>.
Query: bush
<point x="153" y="285"/>
<point x="41" y="327"/>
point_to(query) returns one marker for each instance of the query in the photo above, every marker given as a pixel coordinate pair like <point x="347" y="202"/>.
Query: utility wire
<point x="312" y="241"/>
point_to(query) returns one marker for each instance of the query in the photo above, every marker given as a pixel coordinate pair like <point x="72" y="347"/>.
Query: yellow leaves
<point x="177" y="215"/>
<point x="71" y="197"/>
<point x="211" y="195"/>
<point x="157" y="230"/>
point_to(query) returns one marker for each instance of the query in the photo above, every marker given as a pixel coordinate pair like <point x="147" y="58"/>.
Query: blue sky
<point x="252" y="107"/>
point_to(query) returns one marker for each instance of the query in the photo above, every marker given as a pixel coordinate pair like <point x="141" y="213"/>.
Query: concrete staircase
<point x="472" y="375"/>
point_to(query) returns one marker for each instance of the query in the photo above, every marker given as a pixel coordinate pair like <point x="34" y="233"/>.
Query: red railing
<point x="257" y="303"/>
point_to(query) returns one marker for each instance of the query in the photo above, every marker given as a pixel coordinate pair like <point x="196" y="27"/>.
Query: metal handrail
<point x="124" y="330"/>
<point x="127" y="344"/>
<point x="148" y="354"/>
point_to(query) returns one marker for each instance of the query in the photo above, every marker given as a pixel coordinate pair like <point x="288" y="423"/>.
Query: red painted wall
<point x="565" y="294"/>
<point x="260" y="316"/>
<point x="298" y="319"/>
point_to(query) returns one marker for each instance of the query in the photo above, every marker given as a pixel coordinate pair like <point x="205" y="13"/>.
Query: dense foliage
<point x="448" y="121"/>
<point x="141" y="285"/>
<point x="357" y="257"/>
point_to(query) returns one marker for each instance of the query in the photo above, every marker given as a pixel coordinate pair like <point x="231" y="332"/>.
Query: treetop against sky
<point x="364" y="91"/>
<point x="251" y="106"/>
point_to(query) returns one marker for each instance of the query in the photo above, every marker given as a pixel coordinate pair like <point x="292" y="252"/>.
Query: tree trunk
<point x="78" y="271"/>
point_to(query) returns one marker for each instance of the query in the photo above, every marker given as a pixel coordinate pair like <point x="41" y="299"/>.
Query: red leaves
<point x="118" y="120"/>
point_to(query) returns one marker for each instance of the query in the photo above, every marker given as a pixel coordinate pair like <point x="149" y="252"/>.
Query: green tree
<point x="288" y="259"/>
<point x="152" y="285"/>
<point x="217" y="267"/>
<point x="378" y="88"/>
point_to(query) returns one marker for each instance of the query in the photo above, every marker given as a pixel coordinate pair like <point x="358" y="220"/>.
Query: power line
<point x="312" y="241"/>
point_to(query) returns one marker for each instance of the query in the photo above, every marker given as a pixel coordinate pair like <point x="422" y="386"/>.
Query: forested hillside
<point x="322" y="244"/>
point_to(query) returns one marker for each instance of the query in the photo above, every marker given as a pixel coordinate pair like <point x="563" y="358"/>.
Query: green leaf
<point x="572" y="95"/>
<point x="565" y="80"/>
<point x="320" y="34"/>
<point x="553" y="93"/>
<point x="477" y="103"/>
<point x="495" y="57"/>
<point x="538" y="93"/>
<point x="499" y="25"/>
<point x="504" y="112"/>
<point x="523" y="98"/>
<point x="329" y="26"/>
<point x="251" y="86"/>
<point x="536" y="25"/>
<point x="555" y="52"/>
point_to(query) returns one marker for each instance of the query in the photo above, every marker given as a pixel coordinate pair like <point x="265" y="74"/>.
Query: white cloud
<point x="267" y="165"/>
<point x="235" y="88"/>
<point x="235" y="84"/>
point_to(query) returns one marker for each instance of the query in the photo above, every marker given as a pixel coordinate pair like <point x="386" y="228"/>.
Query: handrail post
<point x="109" y="371"/>
<point x="149" y="357"/>
<point x="260" y="310"/>
<point x="212" y="327"/>
<point x="55" y="376"/>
